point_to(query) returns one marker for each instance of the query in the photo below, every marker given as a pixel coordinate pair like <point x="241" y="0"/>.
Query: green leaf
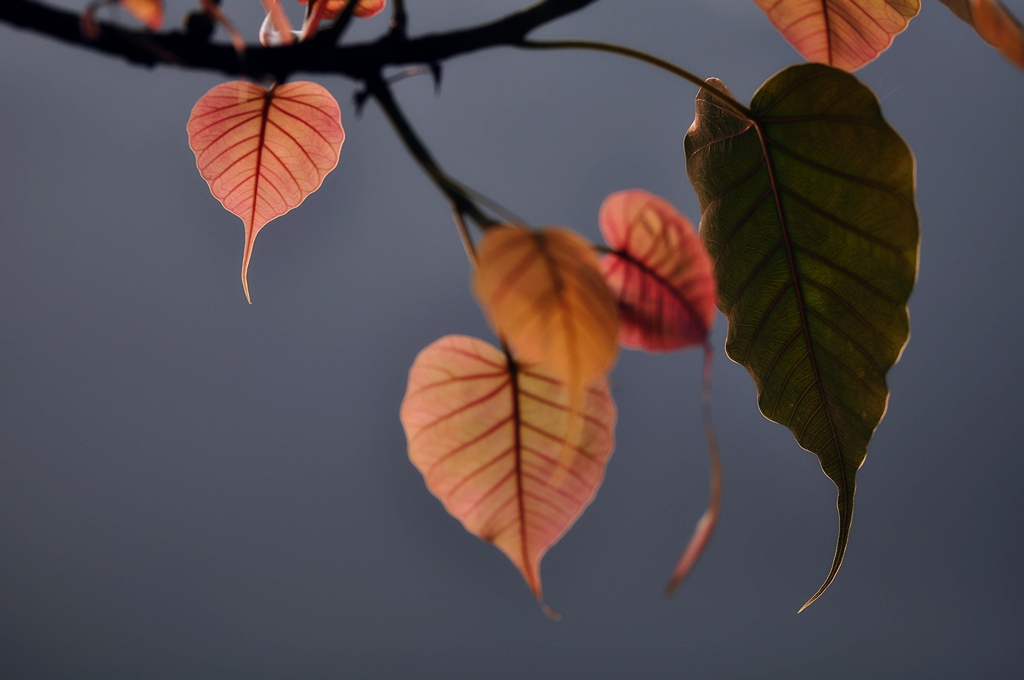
<point x="808" y="212"/>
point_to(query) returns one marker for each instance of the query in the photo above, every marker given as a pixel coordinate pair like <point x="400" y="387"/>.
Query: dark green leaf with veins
<point x="808" y="213"/>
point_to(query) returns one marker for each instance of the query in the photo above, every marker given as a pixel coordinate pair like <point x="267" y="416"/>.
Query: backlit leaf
<point x="486" y="435"/>
<point x="543" y="292"/>
<point x="659" y="272"/>
<point x="809" y="216"/>
<point x="263" y="151"/>
<point x="994" y="24"/>
<point x="328" y="9"/>
<point x="843" y="33"/>
<point x="149" y="12"/>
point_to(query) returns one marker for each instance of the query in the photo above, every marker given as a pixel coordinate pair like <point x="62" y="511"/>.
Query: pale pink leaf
<point x="263" y="151"/>
<point x="486" y="434"/>
<point x="843" y="33"/>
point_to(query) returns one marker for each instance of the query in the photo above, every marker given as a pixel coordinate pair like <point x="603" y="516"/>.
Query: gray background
<point x="194" y="487"/>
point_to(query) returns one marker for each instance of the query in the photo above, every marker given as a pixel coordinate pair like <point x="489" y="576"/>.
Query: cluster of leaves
<point x="808" y="244"/>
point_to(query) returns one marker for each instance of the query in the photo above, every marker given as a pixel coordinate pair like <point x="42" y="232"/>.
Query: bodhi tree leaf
<point x="263" y="151"/>
<point x="543" y="292"/>
<point x="330" y="8"/>
<point x="843" y="33"/>
<point x="658" y="271"/>
<point x="809" y="216"/>
<point x="149" y="12"/>
<point x="994" y="24"/>
<point x="661" y="275"/>
<point x="486" y="432"/>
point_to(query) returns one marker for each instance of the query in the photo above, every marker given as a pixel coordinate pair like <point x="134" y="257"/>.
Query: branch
<point x="359" y="61"/>
<point x="457" y="195"/>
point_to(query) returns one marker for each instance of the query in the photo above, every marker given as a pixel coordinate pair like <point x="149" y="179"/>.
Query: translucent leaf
<point x="543" y="292"/>
<point x="364" y="8"/>
<point x="843" y="33"/>
<point x="994" y="24"/>
<point x="659" y="272"/>
<point x="486" y="435"/>
<point x="148" y="12"/>
<point x="809" y="215"/>
<point x="263" y="151"/>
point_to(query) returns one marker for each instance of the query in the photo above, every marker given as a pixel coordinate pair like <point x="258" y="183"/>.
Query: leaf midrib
<point x="795" y="280"/>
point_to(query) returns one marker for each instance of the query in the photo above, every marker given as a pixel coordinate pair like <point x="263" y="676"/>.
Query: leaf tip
<point x="549" y="612"/>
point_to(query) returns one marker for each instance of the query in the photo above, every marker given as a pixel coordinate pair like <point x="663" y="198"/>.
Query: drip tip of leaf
<point x="549" y="612"/>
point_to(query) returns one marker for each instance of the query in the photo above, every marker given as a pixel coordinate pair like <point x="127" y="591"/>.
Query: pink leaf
<point x="263" y="151"/>
<point x="843" y="33"/>
<point x="486" y="433"/>
<point x="658" y="271"/>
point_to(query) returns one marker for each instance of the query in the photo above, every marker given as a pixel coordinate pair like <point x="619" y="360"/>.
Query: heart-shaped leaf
<point x="843" y="33"/>
<point x="263" y="151"/>
<point x="543" y="292"/>
<point x="809" y="216"/>
<point x="486" y="433"/>
<point x="658" y="271"/>
<point x="994" y="24"/>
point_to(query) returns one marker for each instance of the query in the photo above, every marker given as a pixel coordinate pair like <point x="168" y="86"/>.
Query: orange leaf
<point x="543" y="292"/>
<point x="263" y="151"/>
<point x="365" y="8"/>
<point x="843" y="33"/>
<point x="659" y="271"/>
<point x="486" y="433"/>
<point x="149" y="12"/>
<point x="994" y="24"/>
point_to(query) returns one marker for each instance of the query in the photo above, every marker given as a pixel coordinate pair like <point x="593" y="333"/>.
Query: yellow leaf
<point x="543" y="292"/>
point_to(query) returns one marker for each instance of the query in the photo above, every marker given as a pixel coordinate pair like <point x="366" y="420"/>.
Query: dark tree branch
<point x="359" y="61"/>
<point x="457" y="195"/>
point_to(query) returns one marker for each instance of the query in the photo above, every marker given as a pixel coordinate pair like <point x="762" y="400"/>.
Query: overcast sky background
<point x="191" y="486"/>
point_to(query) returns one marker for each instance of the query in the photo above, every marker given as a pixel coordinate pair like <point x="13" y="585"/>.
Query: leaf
<point x="263" y="151"/>
<point x="995" y="24"/>
<point x="485" y="432"/>
<point x="843" y="33"/>
<point x="543" y="292"/>
<point x="658" y="271"/>
<point x="149" y="12"/>
<point x="328" y="9"/>
<point x="809" y="216"/>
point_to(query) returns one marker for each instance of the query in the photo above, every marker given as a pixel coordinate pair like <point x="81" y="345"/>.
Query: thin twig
<point x="459" y="198"/>
<point x="621" y="50"/>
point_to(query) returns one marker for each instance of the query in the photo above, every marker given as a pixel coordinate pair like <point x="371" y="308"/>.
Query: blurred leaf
<point x="543" y="292"/>
<point x="809" y="216"/>
<point x="658" y="271"/>
<point x="328" y="9"/>
<point x="149" y="12"/>
<point x="994" y="24"/>
<point x="843" y="33"/>
<point x="486" y="434"/>
<point x="263" y="151"/>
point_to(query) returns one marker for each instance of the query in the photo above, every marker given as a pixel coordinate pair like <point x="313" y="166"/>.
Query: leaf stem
<point x="467" y="240"/>
<point x="399" y="17"/>
<point x="338" y="27"/>
<point x="639" y="55"/>
<point x="706" y="524"/>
